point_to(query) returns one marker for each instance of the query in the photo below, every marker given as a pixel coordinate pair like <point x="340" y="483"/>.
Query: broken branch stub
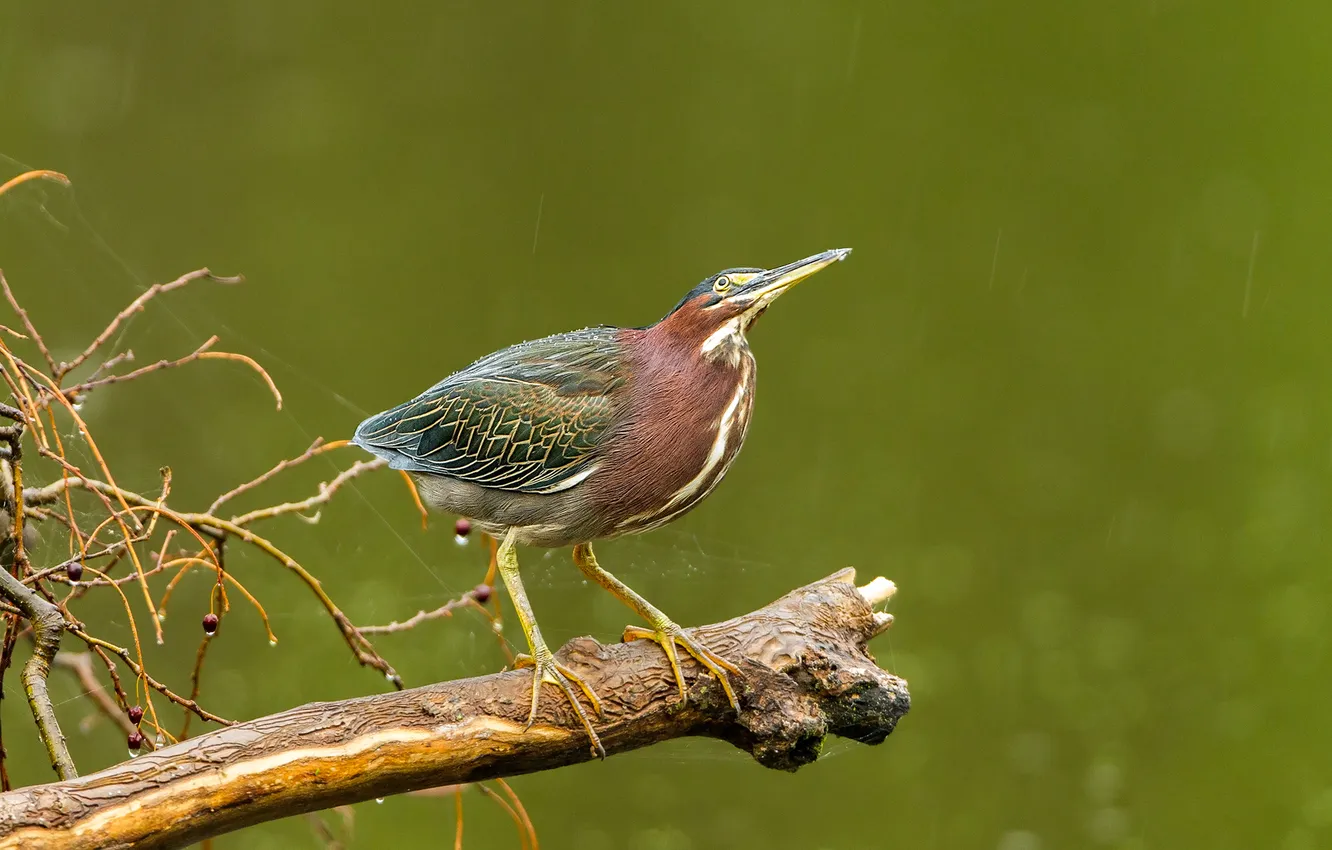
<point x="806" y="673"/>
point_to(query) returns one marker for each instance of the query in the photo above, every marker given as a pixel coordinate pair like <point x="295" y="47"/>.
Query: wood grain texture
<point x="806" y="673"/>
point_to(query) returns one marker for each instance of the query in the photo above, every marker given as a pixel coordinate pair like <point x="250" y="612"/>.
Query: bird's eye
<point x="721" y="284"/>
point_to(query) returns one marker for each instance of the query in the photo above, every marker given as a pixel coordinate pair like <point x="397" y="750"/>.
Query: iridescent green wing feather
<point x="528" y="418"/>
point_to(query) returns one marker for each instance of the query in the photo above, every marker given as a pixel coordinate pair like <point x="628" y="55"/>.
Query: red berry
<point x="462" y="527"/>
<point x="135" y="714"/>
<point x="74" y="571"/>
<point x="481" y="593"/>
<point x="210" y="624"/>
<point x="135" y="740"/>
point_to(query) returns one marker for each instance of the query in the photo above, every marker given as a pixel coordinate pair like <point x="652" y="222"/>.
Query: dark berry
<point x="481" y="593"/>
<point x="74" y="571"/>
<point x="135" y="714"/>
<point x="462" y="527"/>
<point x="210" y="624"/>
<point x="135" y="740"/>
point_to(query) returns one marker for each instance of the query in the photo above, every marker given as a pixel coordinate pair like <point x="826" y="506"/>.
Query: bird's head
<point x="719" y="311"/>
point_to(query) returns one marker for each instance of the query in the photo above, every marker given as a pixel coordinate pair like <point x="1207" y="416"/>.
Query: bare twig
<point x="524" y="822"/>
<point x="253" y="364"/>
<point x="458" y="813"/>
<point x="93" y="383"/>
<point x="41" y="174"/>
<point x="81" y="665"/>
<point x="12" y="435"/>
<point x="6" y="656"/>
<point x="325" y="493"/>
<point x="126" y="356"/>
<point x="27" y="323"/>
<point x="204" y="523"/>
<point x="195" y="675"/>
<point x="124" y="655"/>
<point x="318" y="447"/>
<point x="135" y="306"/>
<point x="523" y="841"/>
<point x="468" y="600"/>
<point x="363" y="650"/>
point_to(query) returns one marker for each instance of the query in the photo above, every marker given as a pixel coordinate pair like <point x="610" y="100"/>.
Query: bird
<point x="588" y="435"/>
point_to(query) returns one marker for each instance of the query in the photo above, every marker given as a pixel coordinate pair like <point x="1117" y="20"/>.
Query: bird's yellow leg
<point x="663" y="631"/>
<point x="546" y="668"/>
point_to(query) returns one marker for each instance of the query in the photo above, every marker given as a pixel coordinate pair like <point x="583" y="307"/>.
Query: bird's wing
<point x="528" y="418"/>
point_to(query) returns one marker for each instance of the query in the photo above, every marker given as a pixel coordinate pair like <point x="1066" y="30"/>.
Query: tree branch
<point x="47" y="622"/>
<point x="805" y="674"/>
<point x="47" y="626"/>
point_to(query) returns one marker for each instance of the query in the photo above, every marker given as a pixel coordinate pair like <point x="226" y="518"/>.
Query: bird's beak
<point x="764" y="287"/>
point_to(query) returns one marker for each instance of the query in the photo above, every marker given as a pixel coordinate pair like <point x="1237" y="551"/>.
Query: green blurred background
<point x="1069" y="392"/>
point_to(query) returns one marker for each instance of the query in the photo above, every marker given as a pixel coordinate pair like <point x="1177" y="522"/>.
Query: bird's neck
<point x="727" y="344"/>
<point x="723" y="346"/>
<point x="692" y="414"/>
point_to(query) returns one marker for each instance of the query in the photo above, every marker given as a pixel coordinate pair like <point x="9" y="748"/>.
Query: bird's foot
<point x="547" y="669"/>
<point x="668" y="634"/>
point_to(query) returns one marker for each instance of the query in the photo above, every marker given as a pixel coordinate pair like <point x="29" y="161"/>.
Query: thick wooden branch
<point x="806" y="673"/>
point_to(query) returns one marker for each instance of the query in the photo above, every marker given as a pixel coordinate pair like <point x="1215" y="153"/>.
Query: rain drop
<point x="272" y="642"/>
<point x="379" y="800"/>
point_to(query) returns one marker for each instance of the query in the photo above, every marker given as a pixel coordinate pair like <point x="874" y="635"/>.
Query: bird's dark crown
<point x="709" y="293"/>
<point x="720" y="309"/>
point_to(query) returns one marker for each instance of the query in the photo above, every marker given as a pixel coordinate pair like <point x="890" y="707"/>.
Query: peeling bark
<point x="805" y="674"/>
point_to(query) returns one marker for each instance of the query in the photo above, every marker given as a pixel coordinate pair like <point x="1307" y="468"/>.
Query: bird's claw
<point x="547" y="669"/>
<point x="667" y="636"/>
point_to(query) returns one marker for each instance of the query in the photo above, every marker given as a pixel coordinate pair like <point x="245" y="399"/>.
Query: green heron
<point x="588" y="435"/>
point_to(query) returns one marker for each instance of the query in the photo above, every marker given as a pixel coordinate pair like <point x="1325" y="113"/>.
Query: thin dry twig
<point x="325" y="834"/>
<point x="27" y="323"/>
<point x="94" y="383"/>
<point x="252" y="363"/>
<point x="81" y="665"/>
<point x="203" y="523"/>
<point x="326" y="492"/>
<point x="124" y="655"/>
<point x="318" y="447"/>
<point x="135" y="306"/>
<point x="458" y="813"/>
<point x="39" y="174"/>
<point x="467" y="600"/>
<point x="525" y="822"/>
<point x="126" y="356"/>
<point x="195" y="676"/>
<point x="504" y="804"/>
